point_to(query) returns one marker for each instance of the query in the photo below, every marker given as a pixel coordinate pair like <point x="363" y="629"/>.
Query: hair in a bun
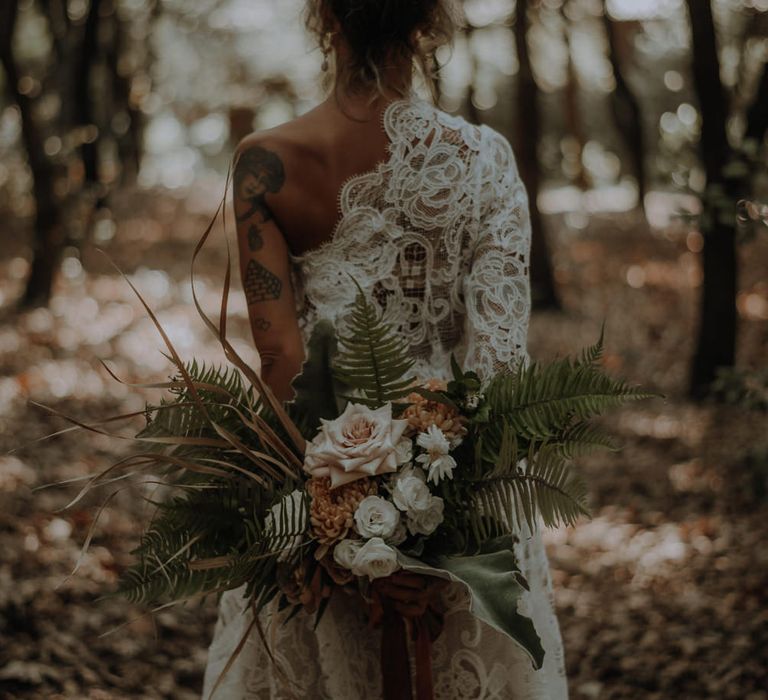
<point x="381" y="33"/>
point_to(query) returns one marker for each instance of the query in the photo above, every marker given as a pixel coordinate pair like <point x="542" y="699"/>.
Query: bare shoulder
<point x="269" y="164"/>
<point x="287" y="142"/>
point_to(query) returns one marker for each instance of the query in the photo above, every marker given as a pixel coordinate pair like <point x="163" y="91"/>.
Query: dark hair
<point x="381" y="33"/>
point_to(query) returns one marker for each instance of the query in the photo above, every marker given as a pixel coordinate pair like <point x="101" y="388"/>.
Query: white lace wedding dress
<point x="439" y="235"/>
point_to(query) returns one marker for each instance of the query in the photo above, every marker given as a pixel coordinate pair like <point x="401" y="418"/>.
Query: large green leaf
<point x="317" y="390"/>
<point x="494" y="581"/>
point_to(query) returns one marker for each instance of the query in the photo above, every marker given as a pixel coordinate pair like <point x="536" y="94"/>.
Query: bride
<point x="427" y="212"/>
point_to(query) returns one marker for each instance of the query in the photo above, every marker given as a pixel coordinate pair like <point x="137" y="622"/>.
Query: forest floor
<point x="663" y="594"/>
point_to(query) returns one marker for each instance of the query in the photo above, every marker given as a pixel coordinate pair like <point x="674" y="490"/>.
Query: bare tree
<point x="573" y="123"/>
<point x="48" y="231"/>
<point x="716" y="344"/>
<point x="63" y="215"/>
<point x="625" y="107"/>
<point x="528" y="136"/>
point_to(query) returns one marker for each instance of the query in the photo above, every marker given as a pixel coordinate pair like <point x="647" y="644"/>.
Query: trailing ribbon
<point x="407" y="605"/>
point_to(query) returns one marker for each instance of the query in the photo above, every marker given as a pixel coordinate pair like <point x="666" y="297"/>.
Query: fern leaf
<point x="372" y="359"/>
<point x="546" y="488"/>
<point x="539" y="401"/>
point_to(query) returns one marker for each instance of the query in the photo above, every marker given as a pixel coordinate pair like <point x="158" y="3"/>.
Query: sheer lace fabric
<point x="438" y="235"/>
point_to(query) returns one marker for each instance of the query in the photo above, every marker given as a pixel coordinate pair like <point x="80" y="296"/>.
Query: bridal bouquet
<point x="367" y="476"/>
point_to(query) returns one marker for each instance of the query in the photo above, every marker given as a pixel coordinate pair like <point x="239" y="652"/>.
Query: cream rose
<point x="376" y="517"/>
<point x="345" y="551"/>
<point x="375" y="559"/>
<point x="410" y="491"/>
<point x="425" y="522"/>
<point x="360" y="442"/>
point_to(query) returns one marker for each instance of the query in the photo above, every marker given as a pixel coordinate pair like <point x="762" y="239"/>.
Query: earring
<point x="325" y="47"/>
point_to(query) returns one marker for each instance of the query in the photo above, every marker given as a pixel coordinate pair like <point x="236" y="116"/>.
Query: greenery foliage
<point x="372" y="359"/>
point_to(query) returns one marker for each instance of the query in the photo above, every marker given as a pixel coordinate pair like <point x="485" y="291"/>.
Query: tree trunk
<point x="717" y="330"/>
<point x="48" y="232"/>
<point x="757" y="114"/>
<point x="544" y="294"/>
<point x="573" y="124"/>
<point x="83" y="103"/>
<point x="626" y="109"/>
<point x="129" y="142"/>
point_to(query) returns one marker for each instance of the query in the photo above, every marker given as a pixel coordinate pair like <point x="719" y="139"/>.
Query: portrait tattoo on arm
<point x="258" y="172"/>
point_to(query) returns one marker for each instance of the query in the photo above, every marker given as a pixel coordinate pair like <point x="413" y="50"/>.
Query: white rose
<point x="427" y="521"/>
<point x="345" y="551"/>
<point x="375" y="559"/>
<point x="287" y="521"/>
<point x="404" y="451"/>
<point x="376" y="517"/>
<point x="410" y="491"/>
<point x="360" y="442"/>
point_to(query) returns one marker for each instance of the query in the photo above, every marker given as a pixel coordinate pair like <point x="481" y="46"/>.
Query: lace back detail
<point x="427" y="233"/>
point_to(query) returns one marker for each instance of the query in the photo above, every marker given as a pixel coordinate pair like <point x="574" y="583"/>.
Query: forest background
<point x="640" y="130"/>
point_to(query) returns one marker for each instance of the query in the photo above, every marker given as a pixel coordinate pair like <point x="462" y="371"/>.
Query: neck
<point x="396" y="82"/>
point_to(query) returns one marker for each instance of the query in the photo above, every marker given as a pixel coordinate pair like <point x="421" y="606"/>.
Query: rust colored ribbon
<point x="407" y="605"/>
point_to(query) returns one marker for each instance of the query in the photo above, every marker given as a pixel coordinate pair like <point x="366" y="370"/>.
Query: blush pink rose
<point x="361" y="442"/>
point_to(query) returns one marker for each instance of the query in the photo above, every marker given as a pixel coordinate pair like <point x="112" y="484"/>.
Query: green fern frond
<point x="594" y="353"/>
<point x="372" y="359"/>
<point x="540" y="401"/>
<point x="513" y="497"/>
<point x="220" y="389"/>
<point x="581" y="439"/>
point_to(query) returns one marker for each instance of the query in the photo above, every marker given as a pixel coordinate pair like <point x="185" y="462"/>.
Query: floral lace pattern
<point x="438" y="235"/>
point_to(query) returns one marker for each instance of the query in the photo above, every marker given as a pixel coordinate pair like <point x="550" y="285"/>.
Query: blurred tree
<point x="716" y="345"/>
<point x="64" y="147"/>
<point x="48" y="230"/>
<point x="625" y="107"/>
<point x="717" y="330"/>
<point x="573" y="124"/>
<point x="126" y="121"/>
<point x="528" y="136"/>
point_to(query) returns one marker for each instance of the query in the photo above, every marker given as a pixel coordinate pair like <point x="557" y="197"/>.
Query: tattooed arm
<point x="264" y="266"/>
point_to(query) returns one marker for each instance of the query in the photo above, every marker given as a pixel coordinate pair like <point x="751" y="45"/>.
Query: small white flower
<point x="434" y="442"/>
<point x="404" y="451"/>
<point x="345" y="551"/>
<point x="375" y="559"/>
<point x="473" y="401"/>
<point x="287" y="519"/>
<point x="436" y="457"/>
<point x="441" y="468"/>
<point x="376" y="517"/>
<point x="410" y="492"/>
<point x="427" y="521"/>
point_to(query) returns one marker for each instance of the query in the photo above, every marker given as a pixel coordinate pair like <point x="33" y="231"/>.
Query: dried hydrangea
<point x="423" y="413"/>
<point x="332" y="511"/>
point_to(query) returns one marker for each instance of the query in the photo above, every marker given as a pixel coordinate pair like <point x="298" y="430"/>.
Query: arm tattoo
<point x="261" y="324"/>
<point x="258" y="173"/>
<point x="255" y="240"/>
<point x="260" y="284"/>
